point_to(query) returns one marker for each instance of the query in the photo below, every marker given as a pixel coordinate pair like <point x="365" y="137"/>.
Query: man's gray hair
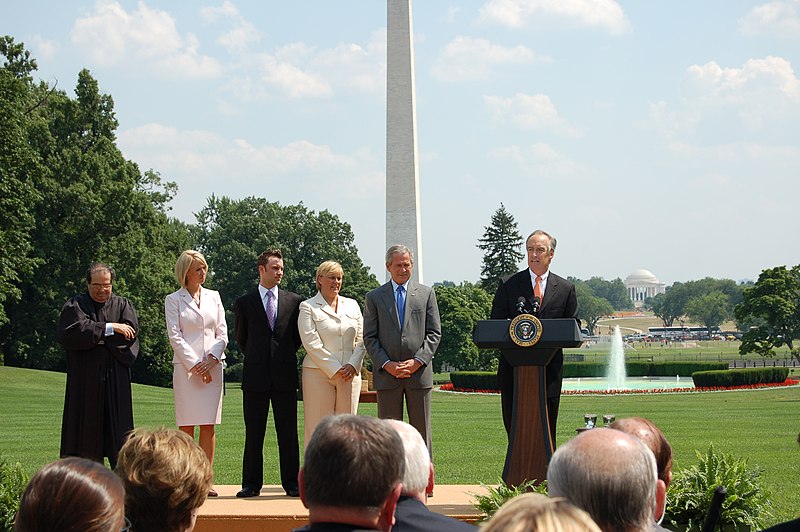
<point x="398" y="249"/>
<point x="550" y="238"/>
<point x="610" y="475"/>
<point x="418" y="460"/>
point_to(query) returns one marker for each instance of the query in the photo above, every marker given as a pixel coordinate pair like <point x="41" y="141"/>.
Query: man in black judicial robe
<point x="98" y="330"/>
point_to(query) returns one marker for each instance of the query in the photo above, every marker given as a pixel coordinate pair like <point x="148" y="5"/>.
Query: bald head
<point x="646" y="430"/>
<point x="609" y="474"/>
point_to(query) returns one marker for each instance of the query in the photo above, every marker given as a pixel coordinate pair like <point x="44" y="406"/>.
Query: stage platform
<point x="273" y="511"/>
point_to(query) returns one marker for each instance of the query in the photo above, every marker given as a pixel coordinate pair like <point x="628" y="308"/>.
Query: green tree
<point x="91" y="204"/>
<point x="460" y="307"/>
<point x="501" y="243"/>
<point x="772" y="308"/>
<point x="232" y="233"/>
<point x="710" y="309"/>
<point x="20" y="169"/>
<point x="590" y="307"/>
<point x="612" y="291"/>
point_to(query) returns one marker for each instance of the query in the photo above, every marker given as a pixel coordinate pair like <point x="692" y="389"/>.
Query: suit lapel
<point x="550" y="291"/>
<point x="187" y="299"/>
<point x="391" y="303"/>
<point x="319" y="302"/>
<point x="260" y="310"/>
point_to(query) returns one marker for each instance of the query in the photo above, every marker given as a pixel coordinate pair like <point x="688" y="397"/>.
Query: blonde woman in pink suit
<point x="331" y="329"/>
<point x="198" y="333"/>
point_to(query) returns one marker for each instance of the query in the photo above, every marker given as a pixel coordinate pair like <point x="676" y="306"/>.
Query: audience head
<point x="418" y="478"/>
<point x="609" y="474"/>
<point x="353" y="471"/>
<point x="72" y="495"/>
<point x="167" y="477"/>
<point x="646" y="430"/>
<point x="184" y="264"/>
<point x="534" y="511"/>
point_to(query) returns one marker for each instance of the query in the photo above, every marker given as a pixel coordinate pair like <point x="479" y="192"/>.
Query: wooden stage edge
<point x="275" y="512"/>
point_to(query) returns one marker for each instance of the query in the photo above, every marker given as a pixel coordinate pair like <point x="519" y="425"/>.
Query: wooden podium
<point x="530" y="444"/>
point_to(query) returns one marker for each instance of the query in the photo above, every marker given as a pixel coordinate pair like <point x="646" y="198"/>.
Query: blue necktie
<point x="401" y="304"/>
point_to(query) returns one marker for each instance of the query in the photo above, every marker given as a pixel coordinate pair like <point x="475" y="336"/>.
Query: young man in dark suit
<point x="266" y="331"/>
<point x="557" y="299"/>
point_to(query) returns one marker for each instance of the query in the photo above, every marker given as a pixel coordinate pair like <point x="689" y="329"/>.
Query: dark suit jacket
<point x="559" y="301"/>
<point x="270" y="360"/>
<point x="419" y="338"/>
<point x="413" y="516"/>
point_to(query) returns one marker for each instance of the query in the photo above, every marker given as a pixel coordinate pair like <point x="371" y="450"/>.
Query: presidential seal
<point x="525" y="330"/>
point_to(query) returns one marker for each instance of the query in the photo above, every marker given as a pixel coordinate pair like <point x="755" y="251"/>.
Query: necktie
<point x="537" y="288"/>
<point x="401" y="304"/>
<point x="271" y="309"/>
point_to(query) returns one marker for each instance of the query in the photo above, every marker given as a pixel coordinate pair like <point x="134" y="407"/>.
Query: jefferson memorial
<point x="642" y="284"/>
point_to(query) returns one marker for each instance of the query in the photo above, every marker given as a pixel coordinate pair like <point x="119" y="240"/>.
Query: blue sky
<point x="662" y="135"/>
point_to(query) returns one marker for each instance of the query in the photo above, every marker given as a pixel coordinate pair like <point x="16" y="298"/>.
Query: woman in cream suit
<point x="331" y="328"/>
<point x="198" y="333"/>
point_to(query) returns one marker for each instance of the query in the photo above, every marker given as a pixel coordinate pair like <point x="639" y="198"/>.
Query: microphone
<point x="521" y="305"/>
<point x="535" y="304"/>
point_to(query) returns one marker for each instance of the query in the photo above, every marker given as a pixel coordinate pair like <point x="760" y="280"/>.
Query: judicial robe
<point x="98" y="409"/>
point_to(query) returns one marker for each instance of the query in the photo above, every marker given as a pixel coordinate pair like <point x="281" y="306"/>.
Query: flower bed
<point x="792" y="381"/>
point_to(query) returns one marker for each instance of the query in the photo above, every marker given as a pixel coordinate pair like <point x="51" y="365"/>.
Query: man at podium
<point x="538" y="291"/>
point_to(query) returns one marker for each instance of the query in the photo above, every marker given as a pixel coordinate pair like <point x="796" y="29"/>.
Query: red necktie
<point x="537" y="288"/>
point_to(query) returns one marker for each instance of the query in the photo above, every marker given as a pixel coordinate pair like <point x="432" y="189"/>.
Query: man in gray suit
<point x="401" y="334"/>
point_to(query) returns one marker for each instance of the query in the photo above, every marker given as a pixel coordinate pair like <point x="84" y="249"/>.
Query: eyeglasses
<point x="104" y="286"/>
<point x="127" y="525"/>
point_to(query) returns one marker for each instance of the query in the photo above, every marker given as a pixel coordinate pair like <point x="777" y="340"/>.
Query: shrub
<point x="739" y="377"/>
<point x="474" y="380"/>
<point x="12" y="484"/>
<point x="691" y="490"/>
<point x="497" y="497"/>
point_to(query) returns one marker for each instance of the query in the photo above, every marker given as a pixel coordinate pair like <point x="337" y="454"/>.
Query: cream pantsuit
<point x="331" y="338"/>
<point x="194" y="333"/>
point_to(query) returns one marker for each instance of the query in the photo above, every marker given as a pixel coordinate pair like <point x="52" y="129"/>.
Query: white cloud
<point x="469" y="59"/>
<point x="112" y="36"/>
<point x="291" y="79"/>
<point x="302" y="71"/>
<point x="781" y="19"/>
<point x="762" y="96"/>
<point x="45" y="49"/>
<point x="539" y="159"/>
<point x="529" y="112"/>
<point x="603" y="14"/>
<point x="243" y="33"/>
<point x="355" y="66"/>
<point x="206" y="157"/>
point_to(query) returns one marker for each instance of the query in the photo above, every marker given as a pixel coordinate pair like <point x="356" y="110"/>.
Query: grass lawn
<point x="468" y="437"/>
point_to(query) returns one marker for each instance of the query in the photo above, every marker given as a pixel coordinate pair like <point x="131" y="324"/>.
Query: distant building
<point x="642" y="284"/>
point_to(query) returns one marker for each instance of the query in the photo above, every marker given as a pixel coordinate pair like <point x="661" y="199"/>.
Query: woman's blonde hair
<point x="534" y="511"/>
<point x="326" y="268"/>
<point x="185" y="263"/>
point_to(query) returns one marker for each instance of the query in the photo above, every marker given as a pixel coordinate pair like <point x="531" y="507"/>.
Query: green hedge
<point x="739" y="377"/>
<point x="487" y="380"/>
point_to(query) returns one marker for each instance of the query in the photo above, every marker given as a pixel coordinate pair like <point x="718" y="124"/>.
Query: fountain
<point x="616" y="376"/>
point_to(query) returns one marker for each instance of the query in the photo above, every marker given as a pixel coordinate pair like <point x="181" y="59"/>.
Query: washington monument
<point x="402" y="167"/>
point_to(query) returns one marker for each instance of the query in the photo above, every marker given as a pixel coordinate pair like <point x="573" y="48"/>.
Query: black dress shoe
<point x="293" y="492"/>
<point x="248" y="492"/>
